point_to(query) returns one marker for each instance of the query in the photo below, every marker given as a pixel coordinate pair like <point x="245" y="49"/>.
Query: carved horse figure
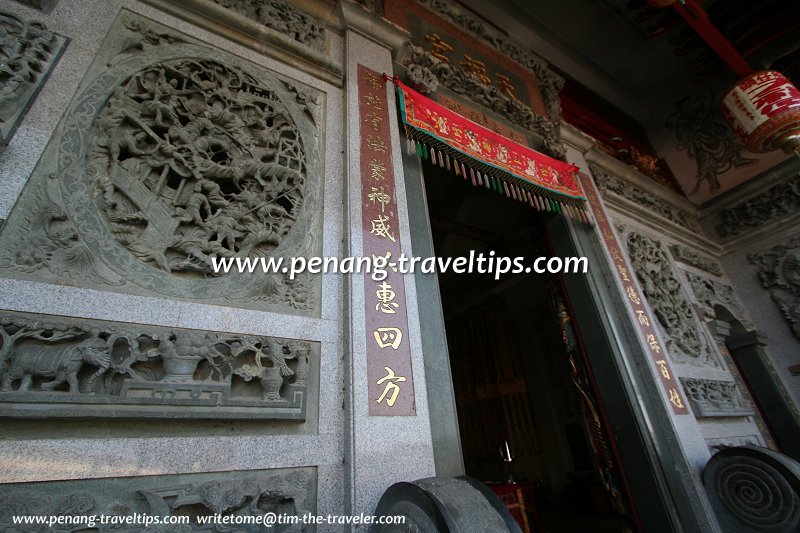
<point x="60" y="362"/>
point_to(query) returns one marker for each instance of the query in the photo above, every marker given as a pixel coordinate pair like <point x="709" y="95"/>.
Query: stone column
<point x="381" y="450"/>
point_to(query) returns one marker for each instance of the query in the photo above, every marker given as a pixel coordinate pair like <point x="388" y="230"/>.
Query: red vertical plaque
<point x="391" y="384"/>
<point x="635" y="300"/>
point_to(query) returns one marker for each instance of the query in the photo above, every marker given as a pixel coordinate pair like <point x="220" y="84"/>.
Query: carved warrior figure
<point x="192" y="159"/>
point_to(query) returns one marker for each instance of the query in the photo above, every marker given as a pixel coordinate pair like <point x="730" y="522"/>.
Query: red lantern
<point x="763" y="109"/>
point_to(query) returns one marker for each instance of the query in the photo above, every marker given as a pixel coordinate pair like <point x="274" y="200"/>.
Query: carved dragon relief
<point x="78" y="369"/>
<point x="174" y="156"/>
<point x="685" y="340"/>
<point x="286" y="492"/>
<point x="550" y="83"/>
<point x="426" y="72"/>
<point x="28" y="52"/>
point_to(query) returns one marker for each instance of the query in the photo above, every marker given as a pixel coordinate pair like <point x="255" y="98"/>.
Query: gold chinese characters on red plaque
<point x="634" y="300"/>
<point x="391" y="386"/>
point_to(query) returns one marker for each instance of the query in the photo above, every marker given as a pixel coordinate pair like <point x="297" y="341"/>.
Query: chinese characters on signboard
<point x="391" y="387"/>
<point x="634" y="301"/>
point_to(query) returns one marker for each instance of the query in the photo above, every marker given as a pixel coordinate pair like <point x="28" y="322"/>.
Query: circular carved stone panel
<point x="191" y="159"/>
<point x="754" y="489"/>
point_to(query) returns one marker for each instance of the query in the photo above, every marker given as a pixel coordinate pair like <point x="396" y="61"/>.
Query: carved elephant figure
<point x="60" y="362"/>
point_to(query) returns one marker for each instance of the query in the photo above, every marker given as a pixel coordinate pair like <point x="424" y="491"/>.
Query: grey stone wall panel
<point x="170" y="153"/>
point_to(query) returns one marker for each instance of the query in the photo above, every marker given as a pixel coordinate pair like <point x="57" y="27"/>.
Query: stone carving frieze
<point x="711" y="398"/>
<point x="71" y="368"/>
<point x="779" y="271"/>
<point x="123" y="502"/>
<point x="710" y="293"/>
<point x="778" y="201"/>
<point x="608" y="182"/>
<point x="28" y="52"/>
<point x="175" y="156"/>
<point x="701" y="130"/>
<point x="689" y="256"/>
<point x="666" y="296"/>
<point x="284" y="18"/>
<point x="550" y="83"/>
<point x="427" y="72"/>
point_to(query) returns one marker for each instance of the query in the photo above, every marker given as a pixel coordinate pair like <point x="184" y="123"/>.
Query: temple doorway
<point x="530" y="424"/>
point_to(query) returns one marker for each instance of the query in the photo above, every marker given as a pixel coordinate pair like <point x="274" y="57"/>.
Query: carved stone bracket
<point x="711" y="398"/>
<point x="778" y="201"/>
<point x="72" y="368"/>
<point x="426" y="72"/>
<point x="121" y="501"/>
<point x="666" y="296"/>
<point x="608" y="182"/>
<point x="710" y="293"/>
<point x="165" y="163"/>
<point x="691" y="257"/>
<point x="779" y="271"/>
<point x="28" y="54"/>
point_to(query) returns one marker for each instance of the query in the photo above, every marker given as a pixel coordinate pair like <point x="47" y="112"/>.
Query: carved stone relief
<point x="715" y="398"/>
<point x="607" y="182"/>
<point x="289" y="492"/>
<point x="175" y="155"/>
<point x="28" y="52"/>
<point x="426" y="72"/>
<point x="779" y="271"/>
<point x="82" y="368"/>
<point x="42" y="5"/>
<point x="707" y="138"/>
<point x="689" y="256"/>
<point x="778" y="201"/>
<point x="550" y="83"/>
<point x="710" y="293"/>
<point x="666" y="296"/>
<point x="281" y="17"/>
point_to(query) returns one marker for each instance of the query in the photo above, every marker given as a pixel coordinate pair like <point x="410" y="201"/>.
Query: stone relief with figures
<point x="711" y="293"/>
<point x="28" y="52"/>
<point x="692" y="257"/>
<point x="102" y="369"/>
<point x="711" y="398"/>
<point x="175" y="155"/>
<point x="288" y="492"/>
<point x="685" y="339"/>
<point x="779" y="201"/>
<point x="282" y="17"/>
<point x="779" y="271"/>
<point x="608" y="182"/>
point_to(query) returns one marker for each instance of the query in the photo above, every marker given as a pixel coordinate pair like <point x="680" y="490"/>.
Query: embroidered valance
<point x="487" y="158"/>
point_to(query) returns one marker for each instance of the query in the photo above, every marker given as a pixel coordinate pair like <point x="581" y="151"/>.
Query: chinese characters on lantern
<point x="634" y="301"/>
<point x="391" y="387"/>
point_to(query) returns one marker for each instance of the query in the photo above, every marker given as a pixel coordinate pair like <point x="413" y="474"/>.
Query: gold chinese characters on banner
<point x="390" y="383"/>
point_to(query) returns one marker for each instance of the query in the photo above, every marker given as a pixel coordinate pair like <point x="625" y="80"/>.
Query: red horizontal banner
<point x="538" y="171"/>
